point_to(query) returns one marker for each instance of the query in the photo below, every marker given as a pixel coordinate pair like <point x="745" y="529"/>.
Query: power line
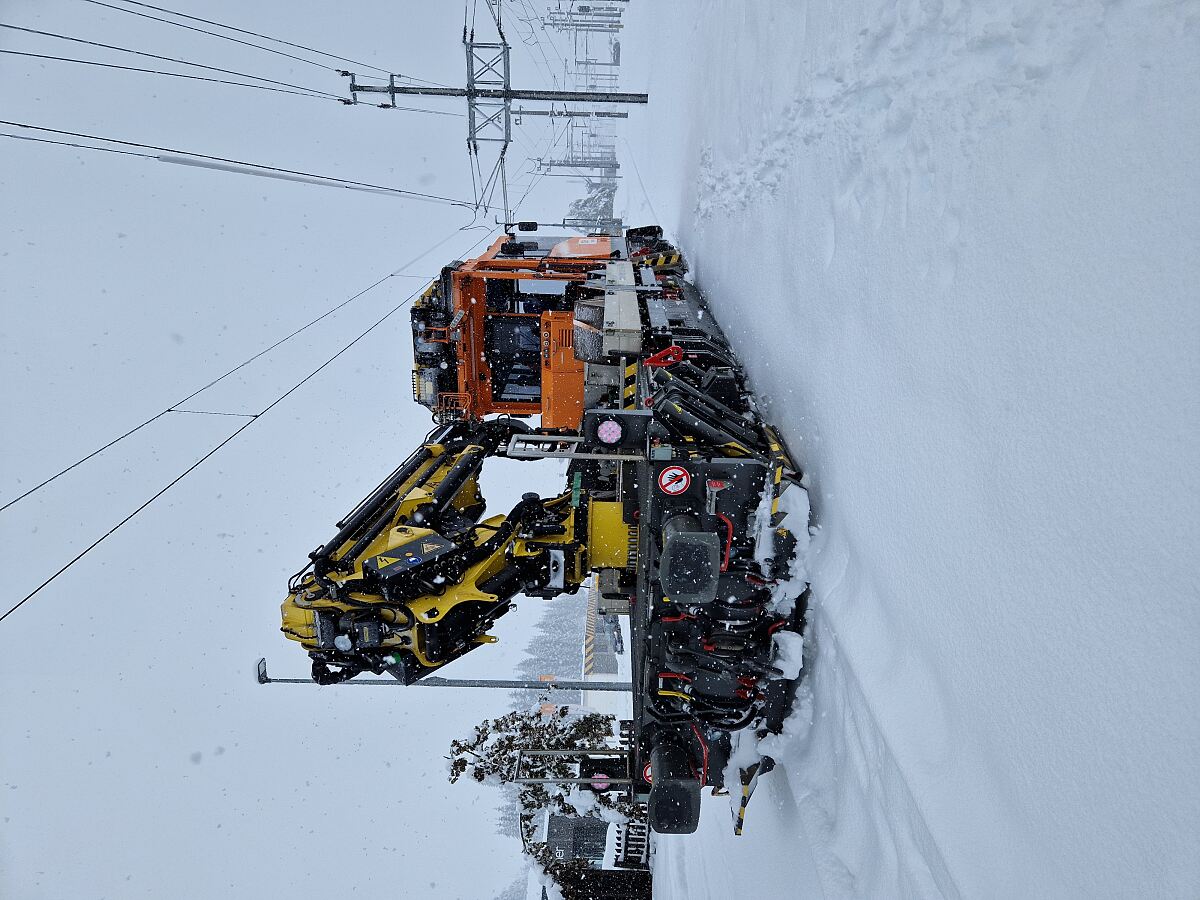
<point x="260" y="87"/>
<point x="533" y="58"/>
<point x="638" y="173"/>
<point x="550" y="42"/>
<point x="178" y="478"/>
<point x="26" y="137"/>
<point x="174" y="407"/>
<point x="532" y="183"/>
<point x="182" y="62"/>
<point x="92" y="546"/>
<point x="537" y="40"/>
<point x="432" y="112"/>
<point x="80" y="462"/>
<point x="208" y="412"/>
<point x="537" y="177"/>
<point x="267" y="37"/>
<point x="224" y="37"/>
<point x="343" y="182"/>
<point x="88" y="62"/>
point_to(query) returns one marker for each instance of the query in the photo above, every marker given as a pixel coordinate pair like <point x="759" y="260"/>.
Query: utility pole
<point x="489" y="94"/>
<point x="603" y="22"/>
<point x="582" y="162"/>
<point x="547" y="682"/>
<point x="571" y="113"/>
<point x="497" y="94"/>
<point x="586" y="149"/>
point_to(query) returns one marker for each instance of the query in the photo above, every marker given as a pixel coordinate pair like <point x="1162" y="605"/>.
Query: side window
<point x="513" y="355"/>
<point x="500" y="294"/>
<point x="536" y="295"/>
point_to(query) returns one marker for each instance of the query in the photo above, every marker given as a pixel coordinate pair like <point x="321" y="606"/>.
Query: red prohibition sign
<point x="674" y="480"/>
<point x="647" y="774"/>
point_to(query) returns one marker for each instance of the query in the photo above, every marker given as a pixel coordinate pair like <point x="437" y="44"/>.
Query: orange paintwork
<point x="561" y="404"/>
<point x="583" y="248"/>
<point x="562" y="373"/>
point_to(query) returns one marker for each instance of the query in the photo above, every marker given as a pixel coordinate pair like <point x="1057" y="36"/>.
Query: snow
<point x="764" y="541"/>
<point x="956" y="246"/>
<point x="789" y="653"/>
<point x="795" y="506"/>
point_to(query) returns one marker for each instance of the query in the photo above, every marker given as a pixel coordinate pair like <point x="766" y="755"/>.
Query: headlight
<point x="609" y="432"/>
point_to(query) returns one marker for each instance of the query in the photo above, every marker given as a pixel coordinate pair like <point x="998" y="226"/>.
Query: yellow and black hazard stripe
<point x="629" y="386"/>
<point x="589" y="635"/>
<point x="778" y="461"/>
<point x="741" y="813"/>
<point x="661" y="260"/>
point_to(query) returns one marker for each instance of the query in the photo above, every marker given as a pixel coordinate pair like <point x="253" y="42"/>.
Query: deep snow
<point x="955" y="244"/>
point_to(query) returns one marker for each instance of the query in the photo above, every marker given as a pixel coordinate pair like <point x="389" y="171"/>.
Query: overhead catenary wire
<point x="27" y="137"/>
<point x="529" y="187"/>
<point x="174" y="407"/>
<point x="536" y="40"/>
<point x="104" y="65"/>
<point x="178" y="478"/>
<point x="432" y="112"/>
<point x="181" y="157"/>
<point x="210" y="412"/>
<point x="537" y="176"/>
<point x="223" y="37"/>
<point x="642" y="184"/>
<point x="182" y="62"/>
<point x="278" y="41"/>
<point x="257" y="87"/>
<point x="92" y="546"/>
<point x="550" y="42"/>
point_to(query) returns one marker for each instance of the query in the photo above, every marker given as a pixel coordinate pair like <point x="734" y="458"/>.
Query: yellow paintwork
<point x="606" y="545"/>
<point x="298" y="612"/>
<point x="608" y="535"/>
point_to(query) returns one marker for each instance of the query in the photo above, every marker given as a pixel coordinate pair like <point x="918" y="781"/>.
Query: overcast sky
<point x="136" y="752"/>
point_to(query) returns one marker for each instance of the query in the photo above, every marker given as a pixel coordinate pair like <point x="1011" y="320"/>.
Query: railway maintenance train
<point x="671" y="501"/>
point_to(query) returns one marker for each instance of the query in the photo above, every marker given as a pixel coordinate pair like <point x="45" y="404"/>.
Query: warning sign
<point x="409" y="555"/>
<point x="674" y="480"/>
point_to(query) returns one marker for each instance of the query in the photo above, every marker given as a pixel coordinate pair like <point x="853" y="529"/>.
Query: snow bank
<point x="956" y="246"/>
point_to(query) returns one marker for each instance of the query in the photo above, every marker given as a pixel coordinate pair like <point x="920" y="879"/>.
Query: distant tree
<point x="598" y="204"/>
<point x="489" y="756"/>
<point x="556" y="645"/>
<point x="507" y="815"/>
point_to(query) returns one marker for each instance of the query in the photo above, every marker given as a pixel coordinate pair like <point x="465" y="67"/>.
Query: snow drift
<point x="955" y="245"/>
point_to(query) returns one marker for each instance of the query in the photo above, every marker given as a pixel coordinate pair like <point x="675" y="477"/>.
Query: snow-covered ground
<point x="956" y="245"/>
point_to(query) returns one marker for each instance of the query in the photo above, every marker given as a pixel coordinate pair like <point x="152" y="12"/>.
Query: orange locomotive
<point x="496" y="334"/>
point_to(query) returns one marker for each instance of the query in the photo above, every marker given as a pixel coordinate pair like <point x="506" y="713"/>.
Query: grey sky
<point x="137" y="758"/>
